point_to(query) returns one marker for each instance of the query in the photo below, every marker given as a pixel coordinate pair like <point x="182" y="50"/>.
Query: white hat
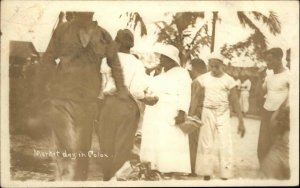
<point x="167" y="50"/>
<point x="216" y="55"/>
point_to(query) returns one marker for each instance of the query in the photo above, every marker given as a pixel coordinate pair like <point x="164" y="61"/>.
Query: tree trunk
<point x="212" y="46"/>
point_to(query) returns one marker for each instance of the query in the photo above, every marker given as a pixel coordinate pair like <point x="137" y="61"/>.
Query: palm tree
<point x="176" y="33"/>
<point x="134" y="19"/>
<point x="256" y="43"/>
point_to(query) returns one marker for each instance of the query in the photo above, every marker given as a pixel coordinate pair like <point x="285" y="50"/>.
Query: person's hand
<point x="241" y="129"/>
<point x="150" y="100"/>
<point x="180" y="118"/>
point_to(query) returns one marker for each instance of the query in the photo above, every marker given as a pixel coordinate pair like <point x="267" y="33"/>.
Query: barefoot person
<point x="220" y="91"/>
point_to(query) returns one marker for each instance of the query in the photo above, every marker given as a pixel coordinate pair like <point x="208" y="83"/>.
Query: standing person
<point x="275" y="164"/>
<point x="244" y="88"/>
<point x="164" y="144"/>
<point x="276" y="87"/>
<point x="198" y="67"/>
<point x="119" y="117"/>
<point x="72" y="88"/>
<point x="220" y="92"/>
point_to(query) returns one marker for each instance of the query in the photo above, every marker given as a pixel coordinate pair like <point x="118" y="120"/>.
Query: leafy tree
<point x="256" y="43"/>
<point x="134" y="19"/>
<point x="176" y="33"/>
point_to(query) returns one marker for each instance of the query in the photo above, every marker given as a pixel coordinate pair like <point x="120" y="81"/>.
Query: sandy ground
<point x="24" y="166"/>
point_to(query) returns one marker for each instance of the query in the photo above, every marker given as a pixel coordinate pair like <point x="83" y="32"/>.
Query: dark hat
<point x="275" y="52"/>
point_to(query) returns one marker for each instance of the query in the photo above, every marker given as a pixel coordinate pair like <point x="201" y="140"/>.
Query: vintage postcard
<point x="149" y="93"/>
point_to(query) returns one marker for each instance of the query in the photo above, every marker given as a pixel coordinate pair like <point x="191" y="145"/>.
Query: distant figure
<point x="276" y="87"/>
<point x="198" y="67"/>
<point x="244" y="88"/>
<point x="219" y="92"/>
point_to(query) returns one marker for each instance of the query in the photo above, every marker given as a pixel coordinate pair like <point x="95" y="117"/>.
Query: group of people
<point x="93" y="82"/>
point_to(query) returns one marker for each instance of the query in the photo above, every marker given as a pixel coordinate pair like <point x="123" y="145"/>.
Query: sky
<point x="34" y="20"/>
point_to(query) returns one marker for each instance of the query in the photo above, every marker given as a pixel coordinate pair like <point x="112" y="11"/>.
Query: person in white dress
<point x="164" y="144"/>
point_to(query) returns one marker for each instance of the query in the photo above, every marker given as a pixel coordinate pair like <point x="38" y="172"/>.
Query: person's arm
<point x="233" y="99"/>
<point x="139" y="84"/>
<point x="285" y="104"/>
<point x="264" y="86"/>
<point x="184" y="95"/>
<point x="197" y="96"/>
<point x="113" y="61"/>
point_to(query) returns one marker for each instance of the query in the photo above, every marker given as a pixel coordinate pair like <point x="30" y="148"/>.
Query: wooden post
<point x="213" y="35"/>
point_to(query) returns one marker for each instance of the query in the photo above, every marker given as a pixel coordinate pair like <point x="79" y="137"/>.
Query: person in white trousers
<point x="219" y="88"/>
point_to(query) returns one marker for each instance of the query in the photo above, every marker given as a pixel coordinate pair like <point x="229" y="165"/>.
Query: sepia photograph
<point x="149" y="93"/>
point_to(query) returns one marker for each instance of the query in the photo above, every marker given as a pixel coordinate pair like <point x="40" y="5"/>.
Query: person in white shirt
<point x="276" y="87"/>
<point x="219" y="92"/>
<point x="244" y="88"/>
<point x="164" y="144"/>
<point x="118" y="119"/>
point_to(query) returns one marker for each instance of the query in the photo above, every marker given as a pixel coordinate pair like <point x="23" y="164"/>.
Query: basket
<point x="190" y="125"/>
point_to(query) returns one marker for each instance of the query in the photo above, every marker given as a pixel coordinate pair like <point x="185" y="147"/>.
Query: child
<point x="219" y="88"/>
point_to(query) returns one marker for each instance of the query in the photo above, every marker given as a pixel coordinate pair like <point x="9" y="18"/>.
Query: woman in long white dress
<point x="164" y="144"/>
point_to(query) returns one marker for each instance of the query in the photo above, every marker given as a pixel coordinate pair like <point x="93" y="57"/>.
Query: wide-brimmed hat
<point x="168" y="50"/>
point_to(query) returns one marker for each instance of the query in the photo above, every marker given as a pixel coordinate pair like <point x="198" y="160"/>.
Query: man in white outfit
<point x="220" y="91"/>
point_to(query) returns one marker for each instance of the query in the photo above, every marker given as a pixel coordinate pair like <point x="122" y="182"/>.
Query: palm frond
<point x="256" y="40"/>
<point x="271" y="21"/>
<point x="198" y="33"/>
<point x="183" y="20"/>
<point x="245" y="21"/>
<point x="135" y="19"/>
<point x="165" y="33"/>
